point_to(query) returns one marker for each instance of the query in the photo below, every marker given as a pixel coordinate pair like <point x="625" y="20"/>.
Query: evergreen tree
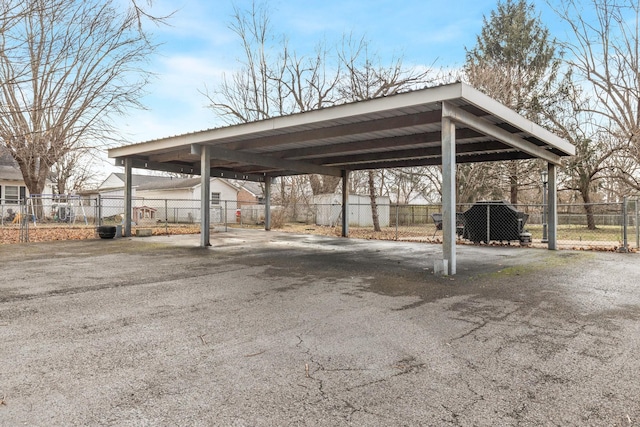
<point x="514" y="61"/>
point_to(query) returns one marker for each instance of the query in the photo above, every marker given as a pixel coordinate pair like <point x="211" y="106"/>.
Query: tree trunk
<point x="34" y="180"/>
<point x="513" y="182"/>
<point x="61" y="185"/>
<point x="321" y="184"/>
<point x="374" y="205"/>
<point x="588" y="208"/>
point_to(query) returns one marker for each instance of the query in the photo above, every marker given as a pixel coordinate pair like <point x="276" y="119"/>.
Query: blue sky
<point x="198" y="47"/>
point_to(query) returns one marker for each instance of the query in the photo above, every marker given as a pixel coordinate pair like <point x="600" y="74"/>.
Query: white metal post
<point x="625" y="225"/>
<point x="345" y="203"/>
<point x="226" y="214"/>
<point x="128" y="196"/>
<point x="545" y="181"/>
<point x="98" y="210"/>
<point x="488" y="223"/>
<point x="397" y="206"/>
<point x="448" y="195"/>
<point x="552" y="208"/>
<point x="205" y="196"/>
<point x="166" y="216"/>
<point x="636" y="224"/>
<point x="267" y="203"/>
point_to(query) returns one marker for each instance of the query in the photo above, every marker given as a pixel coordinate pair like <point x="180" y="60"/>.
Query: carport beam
<point x="345" y="203"/>
<point x="448" y="196"/>
<point x="552" y="208"/>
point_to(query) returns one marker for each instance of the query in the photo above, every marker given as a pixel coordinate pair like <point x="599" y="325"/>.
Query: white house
<point x="177" y="199"/>
<point x="184" y="195"/>
<point x="113" y="185"/>
<point x="12" y="187"/>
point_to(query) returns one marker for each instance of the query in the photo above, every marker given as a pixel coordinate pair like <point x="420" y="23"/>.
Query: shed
<point x="328" y="210"/>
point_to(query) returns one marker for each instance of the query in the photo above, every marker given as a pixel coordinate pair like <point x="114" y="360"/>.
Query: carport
<point x="442" y="125"/>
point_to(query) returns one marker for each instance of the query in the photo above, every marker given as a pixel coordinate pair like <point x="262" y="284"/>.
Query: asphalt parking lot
<point x="276" y="329"/>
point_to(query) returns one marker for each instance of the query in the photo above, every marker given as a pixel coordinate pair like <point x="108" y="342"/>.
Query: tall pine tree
<point x="514" y="61"/>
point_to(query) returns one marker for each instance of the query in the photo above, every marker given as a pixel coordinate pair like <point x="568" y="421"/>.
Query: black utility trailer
<point x="494" y="221"/>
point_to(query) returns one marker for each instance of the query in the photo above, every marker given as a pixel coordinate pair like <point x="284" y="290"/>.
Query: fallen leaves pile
<point x="43" y="233"/>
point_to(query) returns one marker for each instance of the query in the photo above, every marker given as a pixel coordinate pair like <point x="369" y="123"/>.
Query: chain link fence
<point x="167" y="216"/>
<point x="40" y="218"/>
<point x="605" y="226"/>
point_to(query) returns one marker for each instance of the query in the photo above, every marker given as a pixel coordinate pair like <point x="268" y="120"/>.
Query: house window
<point x="13" y="194"/>
<point x="215" y="198"/>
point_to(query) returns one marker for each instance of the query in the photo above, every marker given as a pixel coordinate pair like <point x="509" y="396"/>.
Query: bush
<point x="278" y="218"/>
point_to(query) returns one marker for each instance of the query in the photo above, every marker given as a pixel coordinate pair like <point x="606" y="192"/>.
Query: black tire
<point x="106" y="231"/>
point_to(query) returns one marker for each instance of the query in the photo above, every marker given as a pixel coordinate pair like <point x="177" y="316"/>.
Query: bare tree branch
<point x="67" y="67"/>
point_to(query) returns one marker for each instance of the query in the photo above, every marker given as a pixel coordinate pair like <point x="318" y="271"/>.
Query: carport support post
<point x="128" y="196"/>
<point x="267" y="203"/>
<point x="205" y="195"/>
<point x="552" y="208"/>
<point x="99" y="210"/>
<point x="448" y="196"/>
<point x="345" y="203"/>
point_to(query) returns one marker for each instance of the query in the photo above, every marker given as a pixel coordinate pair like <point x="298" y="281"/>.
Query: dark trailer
<point x="499" y="220"/>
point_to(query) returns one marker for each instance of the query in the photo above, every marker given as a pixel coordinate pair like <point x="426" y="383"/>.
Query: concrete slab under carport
<point x="284" y="329"/>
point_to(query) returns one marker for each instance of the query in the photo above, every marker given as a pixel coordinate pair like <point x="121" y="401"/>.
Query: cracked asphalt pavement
<point x="277" y="329"/>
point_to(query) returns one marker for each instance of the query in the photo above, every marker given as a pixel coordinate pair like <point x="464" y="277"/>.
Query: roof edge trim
<point x="484" y="102"/>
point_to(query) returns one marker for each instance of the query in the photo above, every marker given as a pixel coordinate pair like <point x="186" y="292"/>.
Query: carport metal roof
<point x="442" y="125"/>
<point x="396" y="131"/>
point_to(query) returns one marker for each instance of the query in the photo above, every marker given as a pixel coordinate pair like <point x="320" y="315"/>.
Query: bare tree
<point x="249" y="94"/>
<point x="406" y="184"/>
<point x="274" y="80"/>
<point x="572" y="118"/>
<point x="605" y="55"/>
<point x="366" y="78"/>
<point x="476" y="181"/>
<point x="73" y="171"/>
<point x="323" y="184"/>
<point x="358" y="182"/>
<point x="66" y="67"/>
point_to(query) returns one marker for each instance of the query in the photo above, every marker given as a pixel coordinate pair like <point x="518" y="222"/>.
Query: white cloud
<point x="174" y="103"/>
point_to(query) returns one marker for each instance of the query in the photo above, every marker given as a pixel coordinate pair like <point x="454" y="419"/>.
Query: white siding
<point x="112" y="181"/>
<point x="228" y="201"/>
<point x="329" y="208"/>
<point x="177" y="194"/>
<point x="174" y="205"/>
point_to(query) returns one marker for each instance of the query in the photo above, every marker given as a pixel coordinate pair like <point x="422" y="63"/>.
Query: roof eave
<point x="501" y="111"/>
